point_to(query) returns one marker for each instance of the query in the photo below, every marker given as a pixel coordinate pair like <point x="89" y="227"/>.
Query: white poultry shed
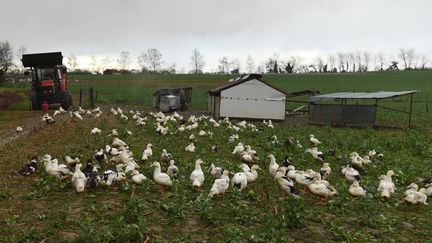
<point x="248" y="96"/>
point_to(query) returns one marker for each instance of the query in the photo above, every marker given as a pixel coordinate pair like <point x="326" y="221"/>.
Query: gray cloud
<point x="217" y="27"/>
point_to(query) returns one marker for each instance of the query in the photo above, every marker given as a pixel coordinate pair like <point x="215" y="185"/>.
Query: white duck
<point x="350" y="173"/>
<point x="303" y="178"/>
<point x="190" y="148"/>
<point x="428" y="190"/>
<point x="411" y="188"/>
<point x="316" y="154"/>
<point x="246" y="157"/>
<point x="165" y="156"/>
<point x="215" y="171"/>
<point x="357" y="161"/>
<point x="220" y="185"/>
<point x="356" y="190"/>
<point x="238" y="149"/>
<point x="108" y="178"/>
<point x="197" y="176"/>
<point x="386" y="186"/>
<point x="273" y="166"/>
<point x="202" y="133"/>
<point x="72" y="160"/>
<point x="118" y="143"/>
<point x="121" y="175"/>
<point x="314" y="141"/>
<point x="61" y="171"/>
<point x="79" y="179"/>
<point x="172" y="169"/>
<point x="137" y="177"/>
<point x="252" y="174"/>
<point x="19" y="130"/>
<point x="239" y="181"/>
<point x="147" y="152"/>
<point x="113" y="133"/>
<point x="416" y="197"/>
<point x="291" y="172"/>
<point x="325" y="171"/>
<point x="95" y="131"/>
<point x="285" y="183"/>
<point x="77" y="115"/>
<point x="159" y="177"/>
<point x="321" y="189"/>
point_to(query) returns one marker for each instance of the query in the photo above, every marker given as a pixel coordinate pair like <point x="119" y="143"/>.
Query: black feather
<point x="286" y="161"/>
<point x="88" y="169"/>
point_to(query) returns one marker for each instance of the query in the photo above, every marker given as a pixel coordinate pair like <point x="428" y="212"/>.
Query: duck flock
<point x="120" y="164"/>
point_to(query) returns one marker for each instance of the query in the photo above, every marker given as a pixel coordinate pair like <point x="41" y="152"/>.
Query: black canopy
<point x="42" y="60"/>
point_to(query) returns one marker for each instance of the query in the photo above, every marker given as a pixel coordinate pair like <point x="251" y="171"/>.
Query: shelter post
<point x="410" y="111"/>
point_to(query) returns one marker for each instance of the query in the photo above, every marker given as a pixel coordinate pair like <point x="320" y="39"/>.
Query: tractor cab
<point x="49" y="79"/>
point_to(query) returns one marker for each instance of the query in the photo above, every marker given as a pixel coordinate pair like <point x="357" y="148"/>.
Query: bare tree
<point x="105" y="63"/>
<point x="319" y="63"/>
<point x="172" y="68"/>
<point x="381" y="60"/>
<point x="366" y="61"/>
<point x="19" y="53"/>
<point x="6" y="59"/>
<point x="272" y="65"/>
<point x="341" y="61"/>
<point x="151" y="60"/>
<point x="357" y="55"/>
<point x="407" y="56"/>
<point x="197" y="61"/>
<point x="224" y="65"/>
<point x="250" y="65"/>
<point x="423" y="62"/>
<point x="6" y="56"/>
<point x="331" y="60"/>
<point x="292" y="64"/>
<point x="93" y="63"/>
<point x="72" y="62"/>
<point x="124" y="60"/>
<point x="261" y="68"/>
<point x="235" y="66"/>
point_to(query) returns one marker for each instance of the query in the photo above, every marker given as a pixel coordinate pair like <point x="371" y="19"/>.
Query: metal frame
<point x="343" y="102"/>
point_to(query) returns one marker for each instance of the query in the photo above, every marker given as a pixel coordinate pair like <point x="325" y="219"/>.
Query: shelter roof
<point x="360" y="95"/>
<point x="240" y="80"/>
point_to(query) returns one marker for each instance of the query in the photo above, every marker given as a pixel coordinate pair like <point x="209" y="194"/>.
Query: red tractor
<point x="49" y="79"/>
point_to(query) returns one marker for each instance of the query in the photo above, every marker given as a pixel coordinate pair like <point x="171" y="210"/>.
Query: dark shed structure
<point x="170" y="99"/>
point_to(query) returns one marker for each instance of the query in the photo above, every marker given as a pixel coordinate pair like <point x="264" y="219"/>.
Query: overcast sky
<point x="235" y="28"/>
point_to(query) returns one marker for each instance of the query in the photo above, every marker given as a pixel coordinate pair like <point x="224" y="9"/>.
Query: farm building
<point x="248" y="97"/>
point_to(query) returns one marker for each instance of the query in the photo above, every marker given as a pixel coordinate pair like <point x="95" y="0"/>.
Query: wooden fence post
<point x="80" y="98"/>
<point x="91" y="96"/>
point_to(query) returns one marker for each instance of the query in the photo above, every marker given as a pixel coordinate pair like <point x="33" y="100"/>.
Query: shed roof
<point x="360" y="95"/>
<point x="240" y="80"/>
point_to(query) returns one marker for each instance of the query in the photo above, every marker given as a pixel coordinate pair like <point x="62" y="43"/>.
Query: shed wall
<point x="252" y="99"/>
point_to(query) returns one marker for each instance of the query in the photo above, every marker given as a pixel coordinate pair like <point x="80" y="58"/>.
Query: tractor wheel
<point x="35" y="105"/>
<point x="66" y="101"/>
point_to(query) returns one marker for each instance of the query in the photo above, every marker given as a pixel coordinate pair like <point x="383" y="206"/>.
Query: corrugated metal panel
<point x="359" y="95"/>
<point x="357" y="115"/>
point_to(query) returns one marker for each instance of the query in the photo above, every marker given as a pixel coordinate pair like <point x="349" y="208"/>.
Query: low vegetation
<point x="39" y="207"/>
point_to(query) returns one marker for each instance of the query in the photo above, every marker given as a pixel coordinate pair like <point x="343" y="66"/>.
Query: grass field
<point x="39" y="207"/>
